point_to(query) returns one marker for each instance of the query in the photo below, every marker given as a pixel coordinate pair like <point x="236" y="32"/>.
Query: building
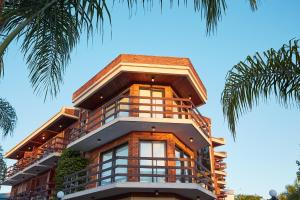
<point x="138" y="124"/>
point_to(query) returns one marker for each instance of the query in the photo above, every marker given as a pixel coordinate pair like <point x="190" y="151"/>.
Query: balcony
<point x="42" y="159"/>
<point x="40" y="192"/>
<point x="125" y="113"/>
<point x="182" y="176"/>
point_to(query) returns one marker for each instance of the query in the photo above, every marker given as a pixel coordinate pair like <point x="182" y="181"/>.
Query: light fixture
<point x="60" y="126"/>
<point x="29" y="148"/>
<point x="156" y="193"/>
<point x="101" y="97"/>
<point x="273" y="193"/>
<point x="60" y="195"/>
<point x="152" y="79"/>
<point x="153" y="128"/>
<point x="43" y="137"/>
<point x="190" y="98"/>
<point x="191" y="139"/>
<point x="17" y="156"/>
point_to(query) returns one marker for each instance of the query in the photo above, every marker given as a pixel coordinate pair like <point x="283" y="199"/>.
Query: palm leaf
<point x="47" y="44"/>
<point x="260" y="77"/>
<point x="8" y="117"/>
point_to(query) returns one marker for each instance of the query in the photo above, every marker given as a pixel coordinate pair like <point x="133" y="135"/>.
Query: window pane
<point x="109" y="113"/>
<point x="157" y="94"/>
<point x="145" y="93"/>
<point x="124" y="107"/>
<point x="159" y="149"/>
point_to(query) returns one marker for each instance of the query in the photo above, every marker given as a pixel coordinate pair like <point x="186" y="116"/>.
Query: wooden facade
<point x="150" y="96"/>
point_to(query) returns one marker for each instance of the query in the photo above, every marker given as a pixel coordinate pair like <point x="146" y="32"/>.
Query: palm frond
<point x="8" y="117"/>
<point x="261" y="76"/>
<point x="50" y="29"/>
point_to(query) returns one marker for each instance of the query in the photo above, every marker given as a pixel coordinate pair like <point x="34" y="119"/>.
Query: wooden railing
<point x="139" y="169"/>
<point x="40" y="192"/>
<point x="139" y="106"/>
<point x="56" y="144"/>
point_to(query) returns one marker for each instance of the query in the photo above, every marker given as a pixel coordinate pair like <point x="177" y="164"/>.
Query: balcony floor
<point x="34" y="169"/>
<point x="182" y="128"/>
<point x="187" y="190"/>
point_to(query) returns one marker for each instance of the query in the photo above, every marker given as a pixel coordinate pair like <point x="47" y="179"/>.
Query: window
<point x="113" y="167"/>
<point x="183" y="163"/>
<point x="110" y="112"/>
<point x="152" y="102"/>
<point x="151" y="168"/>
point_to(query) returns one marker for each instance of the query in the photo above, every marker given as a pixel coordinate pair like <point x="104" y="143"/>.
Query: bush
<point x="69" y="162"/>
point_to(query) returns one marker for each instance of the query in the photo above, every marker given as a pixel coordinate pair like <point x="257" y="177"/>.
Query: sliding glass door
<point x="152" y="103"/>
<point x="110" y="167"/>
<point x="152" y="167"/>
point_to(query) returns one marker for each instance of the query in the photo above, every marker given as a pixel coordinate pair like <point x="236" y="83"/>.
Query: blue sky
<point x="267" y="145"/>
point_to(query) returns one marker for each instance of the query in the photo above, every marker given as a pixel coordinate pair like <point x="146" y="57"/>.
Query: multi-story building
<point x="137" y="123"/>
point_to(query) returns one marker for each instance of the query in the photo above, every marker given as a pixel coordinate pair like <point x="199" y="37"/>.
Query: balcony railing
<point x="40" y="192"/>
<point x="139" y="169"/>
<point x="140" y="106"/>
<point x="53" y="145"/>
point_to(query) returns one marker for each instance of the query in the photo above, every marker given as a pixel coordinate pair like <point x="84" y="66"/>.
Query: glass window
<point x="113" y="167"/>
<point x="151" y="107"/>
<point x="145" y="108"/>
<point x="152" y="168"/>
<point x="183" y="166"/>
<point x="110" y="112"/>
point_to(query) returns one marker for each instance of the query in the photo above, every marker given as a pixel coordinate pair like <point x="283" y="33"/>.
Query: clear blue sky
<point x="267" y="145"/>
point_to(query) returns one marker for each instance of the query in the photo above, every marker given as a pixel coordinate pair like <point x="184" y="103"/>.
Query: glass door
<point x="152" y="167"/>
<point x="152" y="103"/>
<point x="113" y="167"/>
<point x="182" y="170"/>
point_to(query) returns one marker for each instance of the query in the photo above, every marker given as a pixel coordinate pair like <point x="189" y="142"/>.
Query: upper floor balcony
<point x="122" y="174"/>
<point x="40" y="159"/>
<point x="147" y="112"/>
<point x="41" y="149"/>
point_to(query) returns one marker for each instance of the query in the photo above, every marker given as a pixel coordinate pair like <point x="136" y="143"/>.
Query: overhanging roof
<point x="64" y="118"/>
<point x="127" y="69"/>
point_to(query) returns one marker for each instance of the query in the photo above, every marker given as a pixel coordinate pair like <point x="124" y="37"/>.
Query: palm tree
<point x="271" y="73"/>
<point x="3" y="167"/>
<point x="8" y="117"/>
<point x="50" y="29"/>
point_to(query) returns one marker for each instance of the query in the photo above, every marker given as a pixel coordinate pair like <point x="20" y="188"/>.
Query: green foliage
<point x="3" y="167"/>
<point x="298" y="172"/>
<point x="261" y="76"/>
<point x="8" y="117"/>
<point x="247" y="197"/>
<point x="69" y="162"/>
<point x="50" y="29"/>
<point x="292" y="192"/>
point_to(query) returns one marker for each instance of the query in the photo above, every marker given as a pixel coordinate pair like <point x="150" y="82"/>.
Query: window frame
<point x="113" y="163"/>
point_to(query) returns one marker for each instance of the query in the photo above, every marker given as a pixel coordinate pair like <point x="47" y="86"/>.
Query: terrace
<point x="125" y="113"/>
<point x="41" y="159"/>
<point x="184" y="176"/>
